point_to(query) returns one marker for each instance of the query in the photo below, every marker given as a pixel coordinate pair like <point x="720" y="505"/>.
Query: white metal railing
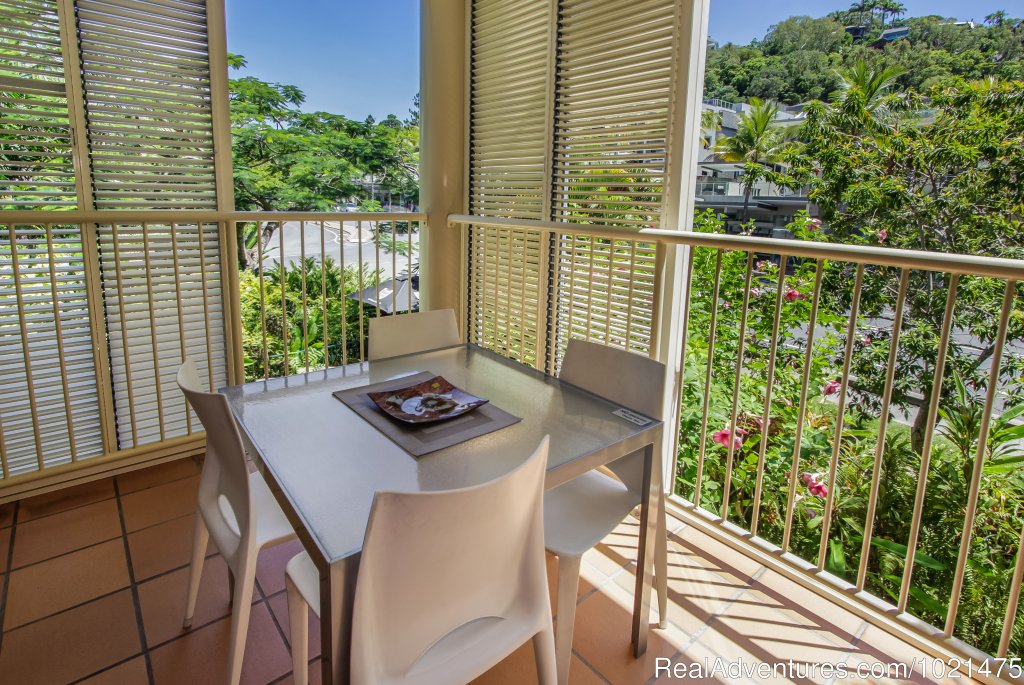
<point x="786" y="343"/>
<point x="98" y="309"/>
<point x="315" y="281"/>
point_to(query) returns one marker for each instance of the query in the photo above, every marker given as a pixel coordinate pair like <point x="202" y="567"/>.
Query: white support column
<point x="443" y="121"/>
<point x="677" y="211"/>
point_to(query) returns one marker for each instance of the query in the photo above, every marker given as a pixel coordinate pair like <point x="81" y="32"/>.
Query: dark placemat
<point x="420" y="439"/>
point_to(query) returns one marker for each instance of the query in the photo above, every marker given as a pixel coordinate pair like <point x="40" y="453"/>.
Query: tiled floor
<point x="93" y="585"/>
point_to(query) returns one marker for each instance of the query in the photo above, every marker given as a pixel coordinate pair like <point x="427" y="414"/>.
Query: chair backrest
<point x="627" y="378"/>
<point x="392" y="336"/>
<point x="225" y="479"/>
<point x="437" y="562"/>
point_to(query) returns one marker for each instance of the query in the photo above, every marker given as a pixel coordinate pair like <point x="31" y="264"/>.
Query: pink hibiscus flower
<point x="814" y="485"/>
<point x="883" y="235"/>
<point x="723" y="437"/>
<point x="832" y="387"/>
<point x="792" y="295"/>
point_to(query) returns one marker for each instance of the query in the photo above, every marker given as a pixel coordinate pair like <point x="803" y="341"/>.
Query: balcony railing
<point x="820" y="421"/>
<point x="98" y="310"/>
<point x="820" y="418"/>
<point x="314" y="280"/>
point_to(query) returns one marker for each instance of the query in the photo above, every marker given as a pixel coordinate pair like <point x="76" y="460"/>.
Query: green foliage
<point x="295" y="327"/>
<point x="953" y="182"/>
<point x="996" y="533"/>
<point x="943" y="173"/>
<point x="800" y="59"/>
<point x="758" y="141"/>
<point x="287" y="159"/>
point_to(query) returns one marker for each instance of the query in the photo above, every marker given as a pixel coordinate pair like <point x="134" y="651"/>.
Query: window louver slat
<point x="147" y="89"/>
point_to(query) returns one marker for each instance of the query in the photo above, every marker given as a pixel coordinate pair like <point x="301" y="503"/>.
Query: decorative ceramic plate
<point x="432" y="400"/>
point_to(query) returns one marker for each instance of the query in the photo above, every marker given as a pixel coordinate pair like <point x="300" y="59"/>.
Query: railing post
<point x="677" y="210"/>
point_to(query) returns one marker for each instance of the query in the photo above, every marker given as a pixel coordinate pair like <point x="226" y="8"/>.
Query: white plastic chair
<point x="580" y="513"/>
<point x="393" y="336"/>
<point x="450" y="583"/>
<point x="235" y="508"/>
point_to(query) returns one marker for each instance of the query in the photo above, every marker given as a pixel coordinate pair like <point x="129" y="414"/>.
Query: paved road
<point x="305" y="239"/>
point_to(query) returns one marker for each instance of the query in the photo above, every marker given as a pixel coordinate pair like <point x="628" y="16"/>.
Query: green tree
<point x="759" y="141"/>
<point x="710" y="120"/>
<point x="288" y="159"/>
<point x="797" y="59"/>
<point x="954" y="183"/>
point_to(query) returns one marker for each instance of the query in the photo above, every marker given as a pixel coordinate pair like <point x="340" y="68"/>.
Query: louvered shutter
<point x="36" y="168"/>
<point x="145" y="72"/>
<point x="49" y="402"/>
<point x="612" y="98"/>
<point x="142" y="68"/>
<point x="597" y="154"/>
<point x="615" y="65"/>
<point x="508" y="150"/>
<point x="162" y="291"/>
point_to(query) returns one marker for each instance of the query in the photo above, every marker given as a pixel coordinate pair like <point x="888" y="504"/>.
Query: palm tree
<point x="759" y="140"/>
<point x="996" y="18"/>
<point x="869" y="86"/>
<point x="891" y="7"/>
<point x="710" y="120"/>
<point x="860" y="7"/>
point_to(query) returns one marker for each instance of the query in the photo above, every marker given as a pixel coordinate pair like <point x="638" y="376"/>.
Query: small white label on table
<point x="632" y="416"/>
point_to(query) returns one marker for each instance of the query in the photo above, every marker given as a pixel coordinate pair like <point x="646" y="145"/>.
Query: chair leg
<point x="661" y="565"/>
<point x="200" y="539"/>
<point x="241" y="607"/>
<point x="544" y="653"/>
<point x="568" y="584"/>
<point x="298" y="627"/>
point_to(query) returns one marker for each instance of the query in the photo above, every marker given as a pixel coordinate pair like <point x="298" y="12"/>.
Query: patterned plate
<point x="432" y="400"/>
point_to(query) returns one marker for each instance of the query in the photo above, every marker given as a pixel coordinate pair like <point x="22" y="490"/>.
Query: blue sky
<point x="360" y="57"/>
<point x="740" y="21"/>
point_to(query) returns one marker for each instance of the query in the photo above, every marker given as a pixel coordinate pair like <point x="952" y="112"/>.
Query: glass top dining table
<point x="324" y="462"/>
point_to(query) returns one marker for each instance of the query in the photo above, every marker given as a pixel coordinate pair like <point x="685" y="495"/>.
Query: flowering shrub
<point x="818" y="472"/>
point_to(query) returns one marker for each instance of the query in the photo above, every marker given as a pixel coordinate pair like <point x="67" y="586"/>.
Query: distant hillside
<point x="797" y="60"/>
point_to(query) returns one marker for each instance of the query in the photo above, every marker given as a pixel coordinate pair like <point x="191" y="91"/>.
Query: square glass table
<point x="324" y="462"/>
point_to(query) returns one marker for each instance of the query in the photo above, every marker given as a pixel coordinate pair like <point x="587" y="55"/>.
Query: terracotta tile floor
<point x="92" y="587"/>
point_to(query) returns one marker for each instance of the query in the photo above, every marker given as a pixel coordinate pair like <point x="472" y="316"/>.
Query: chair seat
<point x="271" y="524"/>
<point x="581" y="513"/>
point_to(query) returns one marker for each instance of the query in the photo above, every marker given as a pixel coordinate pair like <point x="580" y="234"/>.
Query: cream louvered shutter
<point x="49" y="400"/>
<point x="579" y="130"/>
<point x="36" y="168"/>
<point x="162" y="292"/>
<point x="146" y="76"/>
<point x="614" y="87"/>
<point x="612" y="100"/>
<point x="95" y="317"/>
<point x="507" y="277"/>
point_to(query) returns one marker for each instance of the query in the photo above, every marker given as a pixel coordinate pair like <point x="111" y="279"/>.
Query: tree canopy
<point x="288" y="159"/>
<point x="799" y="59"/>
